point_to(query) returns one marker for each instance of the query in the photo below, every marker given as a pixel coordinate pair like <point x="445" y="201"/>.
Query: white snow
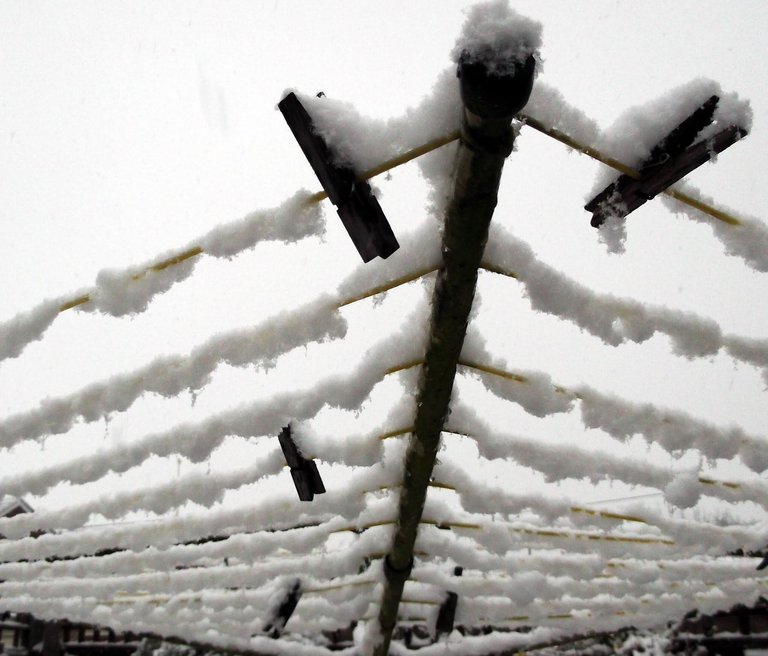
<point x="615" y="320"/>
<point x="634" y="134"/>
<point x="497" y="35"/>
<point x="535" y="555"/>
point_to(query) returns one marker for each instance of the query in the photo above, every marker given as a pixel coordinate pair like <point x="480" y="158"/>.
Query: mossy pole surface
<point x="486" y="140"/>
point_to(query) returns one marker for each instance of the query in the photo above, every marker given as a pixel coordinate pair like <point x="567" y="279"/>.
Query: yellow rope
<point x="385" y="287"/>
<point x="396" y="433"/>
<point x="412" y="154"/>
<point x="576" y="535"/>
<point x="403" y="367"/>
<point x="518" y="378"/>
<point x="604" y="514"/>
<point x="563" y="138"/>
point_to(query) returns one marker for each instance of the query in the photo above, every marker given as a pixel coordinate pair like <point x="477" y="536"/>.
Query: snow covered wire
<point x="614" y="320"/>
<point x="196" y="441"/>
<point x="674" y="430"/>
<point x="200" y="487"/>
<point x="245" y="547"/>
<point x="531" y="587"/>
<point x="168" y="376"/>
<point x="349" y="507"/>
<point x="557" y="464"/>
<point x="748" y="241"/>
<point x="127" y="291"/>
<point x="742" y="237"/>
<point x="317" y="569"/>
<point x="373" y="149"/>
<point x="317" y="320"/>
<point x="475" y="496"/>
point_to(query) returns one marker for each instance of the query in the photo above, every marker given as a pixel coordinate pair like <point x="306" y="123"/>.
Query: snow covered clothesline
<point x="373" y="147"/>
<point x="168" y="376"/>
<point x="269" y="513"/>
<point x="366" y="144"/>
<point x="673" y="430"/>
<point x="614" y="320"/>
<point x="626" y="144"/>
<point x="479" y="497"/>
<point x="316" y="321"/>
<point x="196" y="441"/>
<point x="578" y="463"/>
<point x="121" y="292"/>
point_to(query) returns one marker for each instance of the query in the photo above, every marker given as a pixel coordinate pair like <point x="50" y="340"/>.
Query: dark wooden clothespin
<point x="274" y="627"/>
<point x="356" y="205"/>
<point x="447" y="613"/>
<point x="306" y="478"/>
<point x="670" y="160"/>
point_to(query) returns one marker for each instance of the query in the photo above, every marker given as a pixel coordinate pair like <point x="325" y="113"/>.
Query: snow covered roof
<point x="576" y="489"/>
<point x="10" y="506"/>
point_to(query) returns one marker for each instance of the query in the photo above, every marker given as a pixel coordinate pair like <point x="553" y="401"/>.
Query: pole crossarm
<point x="486" y="141"/>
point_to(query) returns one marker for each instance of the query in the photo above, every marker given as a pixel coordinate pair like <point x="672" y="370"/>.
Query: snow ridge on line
<point x="121" y="292"/>
<point x="208" y="488"/>
<point x="615" y="320"/>
<point x="672" y="429"/>
<point x="168" y="376"/>
<point x="555" y="464"/>
<point x="278" y="511"/>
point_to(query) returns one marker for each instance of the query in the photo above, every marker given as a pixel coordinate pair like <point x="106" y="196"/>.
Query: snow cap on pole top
<point x="496" y="35"/>
<point x="496" y="56"/>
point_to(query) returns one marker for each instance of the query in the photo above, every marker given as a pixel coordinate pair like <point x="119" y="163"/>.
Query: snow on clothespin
<point x="276" y="625"/>
<point x="447" y="613"/>
<point x="356" y="205"/>
<point x="670" y="160"/>
<point x="763" y="563"/>
<point x="306" y="478"/>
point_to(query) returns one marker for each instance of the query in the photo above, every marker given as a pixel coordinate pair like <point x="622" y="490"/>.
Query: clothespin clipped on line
<point x="306" y="478"/>
<point x="447" y="613"/>
<point x="275" y="627"/>
<point x="671" y="159"/>
<point x="356" y="205"/>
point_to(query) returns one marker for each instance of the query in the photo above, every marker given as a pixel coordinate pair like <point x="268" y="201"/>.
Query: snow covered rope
<point x="120" y="292"/>
<point x="702" y="537"/>
<point x="672" y="429"/>
<point x="246" y="547"/>
<point x="168" y="376"/>
<point x="613" y="319"/>
<point x="742" y="237"/>
<point x="578" y="464"/>
<point x="130" y="290"/>
<point x="340" y="510"/>
<point x="320" y="570"/>
<point x="669" y="160"/>
<point x="318" y="320"/>
<point x="261" y="418"/>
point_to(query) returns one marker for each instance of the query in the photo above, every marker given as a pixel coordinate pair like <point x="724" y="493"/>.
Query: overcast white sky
<point x="127" y="129"/>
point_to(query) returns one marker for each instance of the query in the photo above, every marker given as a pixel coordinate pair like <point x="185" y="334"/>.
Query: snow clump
<point x="498" y="36"/>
